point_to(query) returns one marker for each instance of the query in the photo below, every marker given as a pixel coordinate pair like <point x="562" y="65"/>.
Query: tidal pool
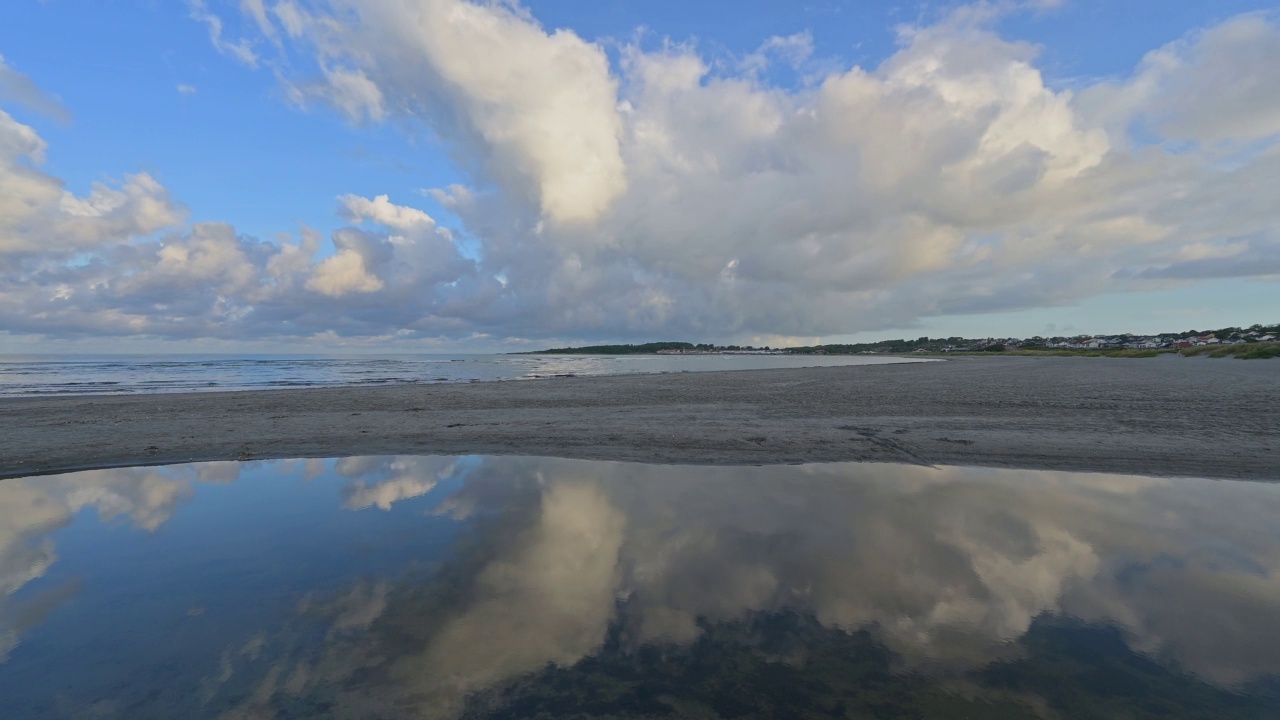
<point x="444" y="587"/>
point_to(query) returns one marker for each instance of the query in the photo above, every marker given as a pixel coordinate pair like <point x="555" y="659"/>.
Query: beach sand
<point x="1162" y="416"/>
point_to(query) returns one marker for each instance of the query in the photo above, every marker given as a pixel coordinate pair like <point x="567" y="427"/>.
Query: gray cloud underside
<point x="657" y="196"/>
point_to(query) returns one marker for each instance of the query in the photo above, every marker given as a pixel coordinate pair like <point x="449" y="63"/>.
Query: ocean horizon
<point x="105" y="374"/>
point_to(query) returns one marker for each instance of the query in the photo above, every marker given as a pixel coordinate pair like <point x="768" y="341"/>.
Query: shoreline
<point x="125" y="389"/>
<point x="1169" y="417"/>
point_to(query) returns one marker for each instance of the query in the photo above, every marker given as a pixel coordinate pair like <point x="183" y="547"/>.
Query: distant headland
<point x="662" y="348"/>
<point x="1254" y="342"/>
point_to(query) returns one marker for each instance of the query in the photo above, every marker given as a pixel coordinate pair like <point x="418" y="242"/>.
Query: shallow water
<point x="445" y="587"/>
<point x="118" y="374"/>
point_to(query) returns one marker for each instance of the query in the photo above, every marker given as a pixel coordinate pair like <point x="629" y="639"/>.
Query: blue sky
<point x="589" y="172"/>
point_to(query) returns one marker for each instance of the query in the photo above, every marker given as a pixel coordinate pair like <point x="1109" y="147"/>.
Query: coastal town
<point x="1164" y="341"/>
<point x="1186" y="341"/>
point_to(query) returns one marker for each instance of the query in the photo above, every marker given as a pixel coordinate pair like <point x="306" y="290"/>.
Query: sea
<point x="41" y="375"/>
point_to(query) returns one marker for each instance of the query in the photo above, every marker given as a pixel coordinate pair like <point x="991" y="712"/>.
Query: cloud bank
<point x="649" y="194"/>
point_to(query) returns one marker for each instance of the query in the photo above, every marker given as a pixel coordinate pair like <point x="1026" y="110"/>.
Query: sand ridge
<point x="1164" y="416"/>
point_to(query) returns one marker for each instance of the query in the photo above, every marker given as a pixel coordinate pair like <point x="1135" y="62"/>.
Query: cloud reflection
<point x="32" y="508"/>
<point x="382" y="482"/>
<point x="547" y="562"/>
<point x="948" y="567"/>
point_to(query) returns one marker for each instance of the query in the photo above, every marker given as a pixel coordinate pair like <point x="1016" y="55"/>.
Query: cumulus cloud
<point x="536" y="109"/>
<point x="39" y="217"/>
<point x="1214" y="85"/>
<point x="209" y="281"/>
<point x="343" y="273"/>
<point x="382" y="211"/>
<point x="664" y="194"/>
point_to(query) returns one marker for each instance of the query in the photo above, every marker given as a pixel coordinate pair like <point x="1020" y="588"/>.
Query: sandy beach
<point x="1165" y="416"/>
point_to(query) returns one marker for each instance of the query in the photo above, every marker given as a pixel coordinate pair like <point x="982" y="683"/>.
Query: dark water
<point x="423" y="587"/>
<point x="119" y="374"/>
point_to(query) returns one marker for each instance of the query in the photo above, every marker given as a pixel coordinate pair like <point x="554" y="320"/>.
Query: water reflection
<point x="445" y="587"/>
<point x="32" y="509"/>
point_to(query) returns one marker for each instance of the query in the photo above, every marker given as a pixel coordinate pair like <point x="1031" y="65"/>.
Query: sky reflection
<point x="433" y="586"/>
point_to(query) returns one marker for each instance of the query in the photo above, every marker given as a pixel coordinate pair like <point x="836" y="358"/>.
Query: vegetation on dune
<point x="642" y="349"/>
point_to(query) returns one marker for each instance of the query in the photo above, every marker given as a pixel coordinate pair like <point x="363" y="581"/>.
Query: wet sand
<point x="1165" y="416"/>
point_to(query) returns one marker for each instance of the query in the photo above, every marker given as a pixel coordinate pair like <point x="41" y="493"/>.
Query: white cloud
<point x="291" y="17"/>
<point x="241" y="50"/>
<point x="352" y="92"/>
<point x="536" y="108"/>
<point x="791" y="49"/>
<point x="382" y="211"/>
<point x="1215" y="85"/>
<point x="257" y="10"/>
<point x="185" y="89"/>
<point x="18" y="88"/>
<point x="208" y="281"/>
<point x="38" y="216"/>
<point x="661" y="196"/>
<point x="950" y="179"/>
<point x="342" y="274"/>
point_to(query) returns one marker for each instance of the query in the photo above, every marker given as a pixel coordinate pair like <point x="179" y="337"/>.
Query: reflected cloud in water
<point x="953" y="577"/>
<point x="33" y="508"/>
<point x="382" y="482"/>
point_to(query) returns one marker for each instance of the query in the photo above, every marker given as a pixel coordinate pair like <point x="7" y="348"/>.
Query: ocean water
<point x="116" y="374"/>
<point x="509" y="587"/>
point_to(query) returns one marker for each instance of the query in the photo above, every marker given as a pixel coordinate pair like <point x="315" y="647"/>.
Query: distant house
<point x="1184" y="344"/>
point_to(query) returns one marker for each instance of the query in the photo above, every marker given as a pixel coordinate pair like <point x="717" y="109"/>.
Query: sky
<point x="444" y="175"/>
